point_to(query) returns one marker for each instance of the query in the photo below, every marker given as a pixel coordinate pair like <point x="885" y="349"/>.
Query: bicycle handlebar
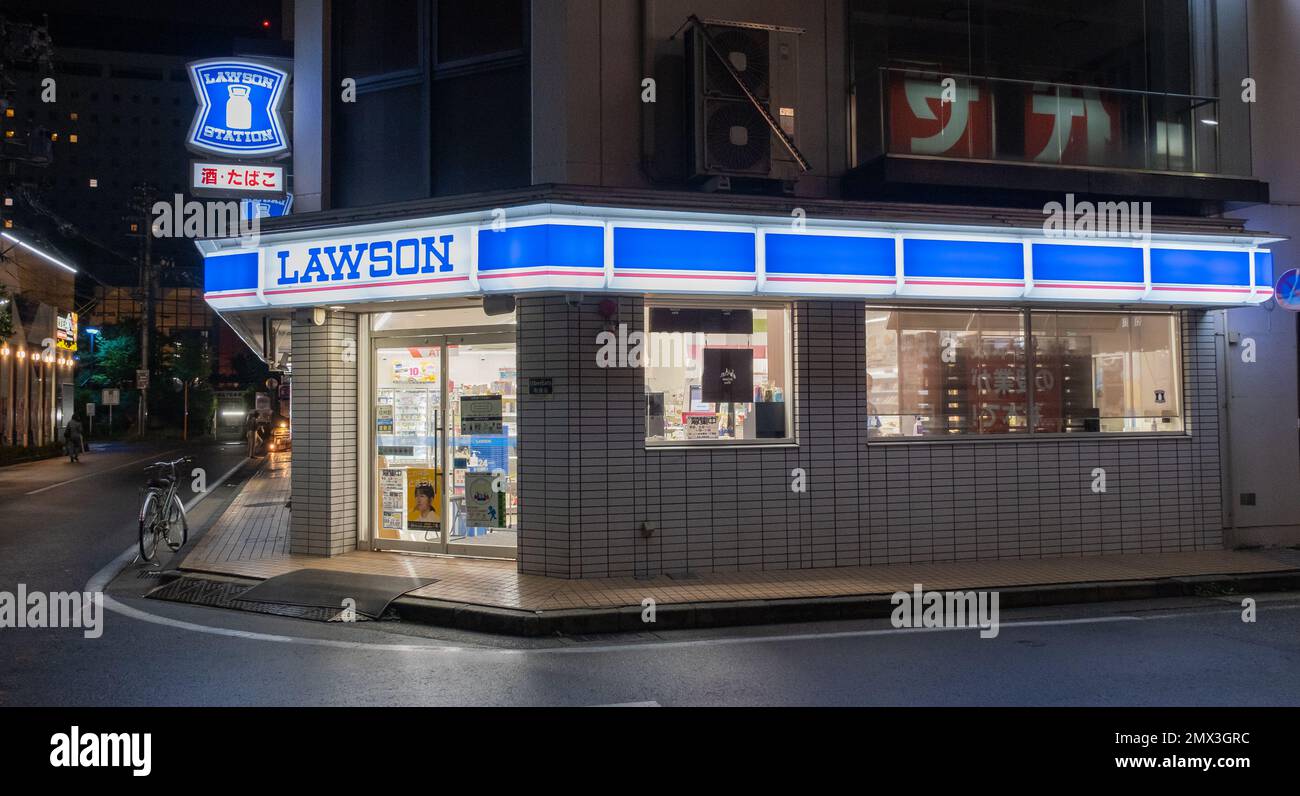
<point x="172" y="464"/>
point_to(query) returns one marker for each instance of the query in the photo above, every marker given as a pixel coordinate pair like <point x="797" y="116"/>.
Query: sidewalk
<point x="251" y="540"/>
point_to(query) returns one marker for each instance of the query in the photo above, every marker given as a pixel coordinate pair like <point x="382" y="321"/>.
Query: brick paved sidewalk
<point x="251" y="539"/>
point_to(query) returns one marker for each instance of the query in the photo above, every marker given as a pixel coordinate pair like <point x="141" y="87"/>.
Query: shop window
<point x="939" y="373"/>
<point x="1109" y="372"/>
<point x="715" y="374"/>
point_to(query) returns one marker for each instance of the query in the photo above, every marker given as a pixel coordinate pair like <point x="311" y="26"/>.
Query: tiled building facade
<point x="590" y="484"/>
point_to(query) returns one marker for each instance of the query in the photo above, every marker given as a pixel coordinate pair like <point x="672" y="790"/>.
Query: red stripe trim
<point x="1202" y="289"/>
<point x="1008" y="283"/>
<point x="363" y="287"/>
<point x="636" y="274"/>
<point x="596" y="272"/>
<point x="861" y="281"/>
<point x="1091" y="287"/>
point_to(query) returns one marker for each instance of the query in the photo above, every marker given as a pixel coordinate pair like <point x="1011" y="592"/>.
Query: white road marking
<point x="155" y="457"/>
<point x="101" y="579"/>
<point x="212" y="488"/>
<point x="649" y="704"/>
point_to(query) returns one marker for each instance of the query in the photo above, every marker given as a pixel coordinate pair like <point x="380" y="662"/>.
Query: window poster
<point x="423" y="499"/>
<point x="484" y="507"/>
<point x="392" y="522"/>
<point x="384" y="419"/>
<point x="701" y="426"/>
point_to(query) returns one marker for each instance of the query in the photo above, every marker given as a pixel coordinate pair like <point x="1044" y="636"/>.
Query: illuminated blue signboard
<point x="629" y="251"/>
<point x="239" y="108"/>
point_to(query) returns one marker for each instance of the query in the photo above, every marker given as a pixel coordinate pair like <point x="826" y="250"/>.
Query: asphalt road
<point x="1173" y="652"/>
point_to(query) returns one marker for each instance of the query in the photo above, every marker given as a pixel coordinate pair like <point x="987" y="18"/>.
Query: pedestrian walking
<point x="72" y="439"/>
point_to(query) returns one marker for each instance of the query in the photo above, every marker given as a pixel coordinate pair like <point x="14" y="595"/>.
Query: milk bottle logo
<point x="239" y="108"/>
<point x="239" y="111"/>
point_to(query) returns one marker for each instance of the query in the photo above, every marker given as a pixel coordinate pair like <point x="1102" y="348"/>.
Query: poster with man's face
<point x="423" y="499"/>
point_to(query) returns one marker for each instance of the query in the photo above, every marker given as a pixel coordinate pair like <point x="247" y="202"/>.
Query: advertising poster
<point x="384" y="419"/>
<point x="480" y="414"/>
<point x="484" y="508"/>
<point x="423" y="499"/>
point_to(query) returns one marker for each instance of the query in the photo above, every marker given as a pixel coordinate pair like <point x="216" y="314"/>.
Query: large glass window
<point x="933" y="372"/>
<point x="717" y="374"/>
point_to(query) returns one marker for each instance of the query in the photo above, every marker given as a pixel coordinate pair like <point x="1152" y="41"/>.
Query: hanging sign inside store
<point x="728" y="375"/>
<point x="1287" y="291"/>
<point x="234" y="180"/>
<point x="484" y="507"/>
<point x="480" y="414"/>
<point x="239" y="108"/>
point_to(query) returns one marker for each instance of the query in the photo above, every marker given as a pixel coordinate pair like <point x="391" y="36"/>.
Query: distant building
<point x="37" y="363"/>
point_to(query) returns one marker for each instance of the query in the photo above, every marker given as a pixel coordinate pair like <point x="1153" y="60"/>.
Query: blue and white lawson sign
<point x="239" y="108"/>
<point x="620" y="250"/>
<point x="360" y="267"/>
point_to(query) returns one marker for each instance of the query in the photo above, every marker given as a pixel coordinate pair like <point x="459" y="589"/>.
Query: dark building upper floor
<point x="982" y="102"/>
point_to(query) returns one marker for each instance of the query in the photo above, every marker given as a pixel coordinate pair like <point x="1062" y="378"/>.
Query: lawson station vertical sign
<point x="238" y="131"/>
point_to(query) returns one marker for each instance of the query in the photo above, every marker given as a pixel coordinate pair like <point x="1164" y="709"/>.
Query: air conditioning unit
<point x="729" y="137"/>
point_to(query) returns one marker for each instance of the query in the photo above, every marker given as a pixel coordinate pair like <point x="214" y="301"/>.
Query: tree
<point x="187" y="361"/>
<point x="117" y="355"/>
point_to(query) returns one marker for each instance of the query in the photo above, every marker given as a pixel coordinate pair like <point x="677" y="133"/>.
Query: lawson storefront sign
<point x="555" y="248"/>
<point x="239" y="108"/>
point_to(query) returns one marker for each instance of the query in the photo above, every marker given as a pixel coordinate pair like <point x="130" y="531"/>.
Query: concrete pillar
<point x="324" y="482"/>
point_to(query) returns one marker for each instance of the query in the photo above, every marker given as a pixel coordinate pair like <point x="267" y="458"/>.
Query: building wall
<point x="323" y="517"/>
<point x="588" y="483"/>
<point x="1263" y="396"/>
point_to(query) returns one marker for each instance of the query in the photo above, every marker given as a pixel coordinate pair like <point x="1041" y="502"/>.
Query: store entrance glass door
<point x="445" y="445"/>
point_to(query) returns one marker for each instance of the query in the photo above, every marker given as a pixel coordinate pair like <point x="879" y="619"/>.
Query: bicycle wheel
<point x="150" y="517"/>
<point x="178" y="528"/>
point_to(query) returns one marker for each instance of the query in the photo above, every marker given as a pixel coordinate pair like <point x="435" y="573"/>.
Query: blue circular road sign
<point x="1287" y="290"/>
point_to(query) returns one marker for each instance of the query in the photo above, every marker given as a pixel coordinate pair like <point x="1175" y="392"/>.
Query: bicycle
<point x="162" y="515"/>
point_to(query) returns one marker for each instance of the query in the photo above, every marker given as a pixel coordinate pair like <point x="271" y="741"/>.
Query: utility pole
<point x="143" y="224"/>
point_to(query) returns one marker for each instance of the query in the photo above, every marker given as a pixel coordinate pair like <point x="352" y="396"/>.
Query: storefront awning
<point x="552" y="247"/>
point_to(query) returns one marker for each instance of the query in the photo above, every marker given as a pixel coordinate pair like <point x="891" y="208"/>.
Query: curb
<point x="683" y="616"/>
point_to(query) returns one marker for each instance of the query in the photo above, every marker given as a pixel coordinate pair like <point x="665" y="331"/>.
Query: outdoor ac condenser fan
<point x="737" y="138"/>
<point x="749" y="52"/>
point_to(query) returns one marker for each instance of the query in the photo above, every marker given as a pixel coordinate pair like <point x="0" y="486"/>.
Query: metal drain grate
<point x="225" y="594"/>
